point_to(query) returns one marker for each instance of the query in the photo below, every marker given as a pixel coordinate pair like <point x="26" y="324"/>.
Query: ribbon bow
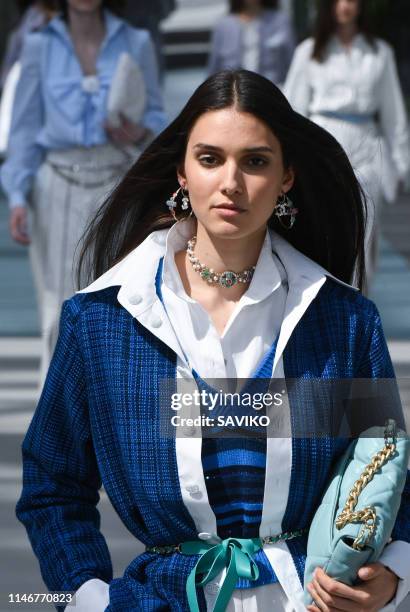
<point x="72" y="95"/>
<point x="235" y="554"/>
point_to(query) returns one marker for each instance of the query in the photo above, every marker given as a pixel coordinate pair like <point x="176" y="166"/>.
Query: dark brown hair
<point x="331" y="220"/>
<point x="236" y="6"/>
<point x="326" y="26"/>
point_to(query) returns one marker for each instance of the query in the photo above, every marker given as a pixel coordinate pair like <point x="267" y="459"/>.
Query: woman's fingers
<point x="135" y="131"/>
<point x="18" y="225"/>
<point x="114" y="134"/>
<point x="127" y="133"/>
<point x="327" y="602"/>
<point x="336" y="588"/>
<point x="330" y="595"/>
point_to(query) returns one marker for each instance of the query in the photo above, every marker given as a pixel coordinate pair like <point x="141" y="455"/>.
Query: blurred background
<point x="184" y="36"/>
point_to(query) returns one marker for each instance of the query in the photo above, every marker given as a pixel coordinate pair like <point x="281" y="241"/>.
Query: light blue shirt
<point x="54" y="110"/>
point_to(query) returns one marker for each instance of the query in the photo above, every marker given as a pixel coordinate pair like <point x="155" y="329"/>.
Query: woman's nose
<point x="232" y="180"/>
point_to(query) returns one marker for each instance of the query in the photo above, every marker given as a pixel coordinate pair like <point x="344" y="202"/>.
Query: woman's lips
<point x="229" y="210"/>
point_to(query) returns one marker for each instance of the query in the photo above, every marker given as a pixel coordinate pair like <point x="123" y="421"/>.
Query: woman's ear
<point x="288" y="179"/>
<point x="181" y="175"/>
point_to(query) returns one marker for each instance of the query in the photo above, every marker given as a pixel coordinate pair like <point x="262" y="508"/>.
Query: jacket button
<point x="136" y="299"/>
<point x="156" y="322"/>
<point x="193" y="489"/>
<point x="204" y="535"/>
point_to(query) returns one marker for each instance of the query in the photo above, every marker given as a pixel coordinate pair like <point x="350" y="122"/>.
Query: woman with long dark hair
<point x="256" y="35"/>
<point x="345" y="79"/>
<point x="65" y="155"/>
<point x="226" y="252"/>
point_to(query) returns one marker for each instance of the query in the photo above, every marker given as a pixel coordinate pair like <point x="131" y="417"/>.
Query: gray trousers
<point x="68" y="189"/>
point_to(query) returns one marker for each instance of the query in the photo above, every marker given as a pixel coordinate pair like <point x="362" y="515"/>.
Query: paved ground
<point x="195" y="15"/>
<point x="19" y="349"/>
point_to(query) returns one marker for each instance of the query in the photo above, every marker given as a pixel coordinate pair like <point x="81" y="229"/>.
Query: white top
<point x="234" y="354"/>
<point x="359" y="80"/>
<point x="250" y="44"/>
<point x="265" y="308"/>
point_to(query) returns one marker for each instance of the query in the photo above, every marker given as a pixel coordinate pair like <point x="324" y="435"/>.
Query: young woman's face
<point x="234" y="172"/>
<point x="346" y="11"/>
<point x="84" y="6"/>
<point x="249" y="5"/>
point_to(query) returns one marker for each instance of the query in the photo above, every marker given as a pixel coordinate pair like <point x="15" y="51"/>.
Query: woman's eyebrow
<point x="262" y="149"/>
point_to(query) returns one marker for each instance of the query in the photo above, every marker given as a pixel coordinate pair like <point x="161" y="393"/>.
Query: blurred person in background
<point x="257" y="36"/>
<point x="63" y="155"/>
<point x="34" y="15"/>
<point x="148" y="15"/>
<point x="346" y="80"/>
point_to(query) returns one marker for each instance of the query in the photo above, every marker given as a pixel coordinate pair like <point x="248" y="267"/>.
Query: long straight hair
<point x="329" y="227"/>
<point x="326" y="26"/>
<point x="236" y="6"/>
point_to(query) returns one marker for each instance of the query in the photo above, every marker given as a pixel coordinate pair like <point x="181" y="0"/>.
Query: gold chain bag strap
<point x="367" y="515"/>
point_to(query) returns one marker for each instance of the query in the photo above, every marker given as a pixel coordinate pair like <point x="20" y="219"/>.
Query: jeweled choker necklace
<point x="225" y="279"/>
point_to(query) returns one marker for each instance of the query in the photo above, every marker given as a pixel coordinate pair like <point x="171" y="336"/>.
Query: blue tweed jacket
<point x="97" y="422"/>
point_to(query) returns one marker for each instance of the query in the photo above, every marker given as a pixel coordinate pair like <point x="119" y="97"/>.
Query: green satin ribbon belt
<point x="234" y="554"/>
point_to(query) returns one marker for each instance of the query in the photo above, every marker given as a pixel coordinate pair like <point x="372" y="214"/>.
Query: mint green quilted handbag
<point x="356" y="517"/>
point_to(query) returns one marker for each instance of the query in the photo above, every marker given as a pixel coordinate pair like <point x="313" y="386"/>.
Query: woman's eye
<point x="208" y="160"/>
<point x="257" y="162"/>
<point x="254" y="162"/>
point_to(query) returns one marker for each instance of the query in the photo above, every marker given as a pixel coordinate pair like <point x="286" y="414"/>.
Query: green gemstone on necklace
<point x="205" y="273"/>
<point x="228" y="279"/>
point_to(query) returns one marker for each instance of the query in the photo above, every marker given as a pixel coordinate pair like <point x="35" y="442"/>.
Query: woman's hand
<point x="379" y="587"/>
<point x="127" y="133"/>
<point x="18" y="225"/>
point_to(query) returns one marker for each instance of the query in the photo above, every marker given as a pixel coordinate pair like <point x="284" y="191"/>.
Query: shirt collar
<point x="300" y="268"/>
<point x="265" y="280"/>
<point x="135" y="274"/>
<point x="177" y="238"/>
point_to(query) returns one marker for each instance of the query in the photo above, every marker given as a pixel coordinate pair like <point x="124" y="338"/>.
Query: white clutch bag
<point x="6" y="105"/>
<point x="127" y="95"/>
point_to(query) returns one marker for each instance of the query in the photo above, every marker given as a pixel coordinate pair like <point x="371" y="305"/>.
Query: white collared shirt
<point x="236" y="353"/>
